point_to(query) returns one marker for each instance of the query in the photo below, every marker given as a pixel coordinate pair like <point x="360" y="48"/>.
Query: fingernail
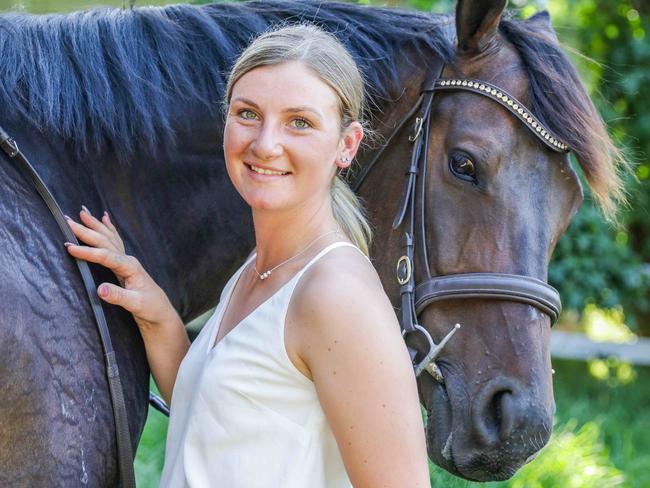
<point x="67" y="217"/>
<point x="67" y="244"/>
<point x="103" y="291"/>
<point x="106" y="213"/>
<point x="83" y="207"/>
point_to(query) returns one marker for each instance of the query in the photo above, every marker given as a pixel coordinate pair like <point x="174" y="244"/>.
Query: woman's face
<point x="283" y="138"/>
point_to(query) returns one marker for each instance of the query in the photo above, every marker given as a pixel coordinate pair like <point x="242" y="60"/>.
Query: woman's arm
<point x="162" y="330"/>
<point x="351" y="342"/>
<point x="166" y="345"/>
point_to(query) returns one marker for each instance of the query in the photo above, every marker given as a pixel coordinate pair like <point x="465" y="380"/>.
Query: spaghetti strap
<point x="324" y="251"/>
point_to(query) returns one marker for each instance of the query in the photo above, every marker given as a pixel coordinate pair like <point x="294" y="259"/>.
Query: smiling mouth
<point x="263" y="171"/>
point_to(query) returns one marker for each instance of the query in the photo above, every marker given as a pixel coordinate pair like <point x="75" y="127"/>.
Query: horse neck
<point x="179" y="215"/>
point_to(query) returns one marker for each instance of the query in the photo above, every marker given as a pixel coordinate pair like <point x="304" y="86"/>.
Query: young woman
<point x="300" y="378"/>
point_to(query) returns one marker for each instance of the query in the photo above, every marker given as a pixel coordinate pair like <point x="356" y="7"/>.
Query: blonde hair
<point x="323" y="54"/>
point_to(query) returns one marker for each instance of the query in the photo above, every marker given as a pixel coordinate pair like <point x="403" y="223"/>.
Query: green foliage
<point x="593" y="263"/>
<point x="575" y="457"/>
<point x="619" y="408"/>
<point x="150" y="455"/>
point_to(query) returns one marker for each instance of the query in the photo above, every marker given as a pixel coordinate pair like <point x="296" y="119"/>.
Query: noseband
<point x="497" y="286"/>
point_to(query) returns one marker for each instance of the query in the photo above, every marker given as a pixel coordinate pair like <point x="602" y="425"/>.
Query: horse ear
<point x="477" y="22"/>
<point x="541" y="22"/>
<point x="541" y="19"/>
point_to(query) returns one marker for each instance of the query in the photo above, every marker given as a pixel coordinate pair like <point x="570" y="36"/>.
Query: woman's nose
<point x="267" y="144"/>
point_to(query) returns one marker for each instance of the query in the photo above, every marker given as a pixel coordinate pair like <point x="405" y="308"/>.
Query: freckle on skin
<point x="329" y="349"/>
<point x="334" y="372"/>
<point x="383" y="405"/>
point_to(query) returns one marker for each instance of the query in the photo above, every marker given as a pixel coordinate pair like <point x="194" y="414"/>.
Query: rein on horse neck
<point x="116" y="391"/>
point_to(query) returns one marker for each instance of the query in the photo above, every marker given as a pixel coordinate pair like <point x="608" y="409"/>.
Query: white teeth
<point x="263" y="171"/>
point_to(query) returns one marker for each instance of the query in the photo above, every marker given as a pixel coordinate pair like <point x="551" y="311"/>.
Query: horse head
<point x="495" y="200"/>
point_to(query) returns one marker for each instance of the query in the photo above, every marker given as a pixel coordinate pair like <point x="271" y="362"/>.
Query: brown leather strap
<point x="356" y="182"/>
<point x="510" y="103"/>
<point x="407" y="211"/>
<point x="499" y="286"/>
<point x="123" y="436"/>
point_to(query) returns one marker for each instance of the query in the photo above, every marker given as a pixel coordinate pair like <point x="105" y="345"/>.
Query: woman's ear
<point x="349" y="144"/>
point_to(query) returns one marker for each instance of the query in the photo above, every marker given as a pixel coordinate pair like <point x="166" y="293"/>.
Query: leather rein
<point x="115" y="389"/>
<point x="412" y="207"/>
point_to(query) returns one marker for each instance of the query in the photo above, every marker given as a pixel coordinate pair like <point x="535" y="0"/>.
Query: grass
<point x="601" y="437"/>
<point x="151" y="450"/>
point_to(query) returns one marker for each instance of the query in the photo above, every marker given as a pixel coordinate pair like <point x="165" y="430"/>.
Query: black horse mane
<point x="112" y="76"/>
<point x="109" y="76"/>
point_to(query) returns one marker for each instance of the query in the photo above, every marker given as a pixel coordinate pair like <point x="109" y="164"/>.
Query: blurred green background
<point x="603" y="272"/>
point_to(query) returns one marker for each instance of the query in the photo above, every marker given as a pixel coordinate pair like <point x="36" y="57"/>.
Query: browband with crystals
<point x="509" y="102"/>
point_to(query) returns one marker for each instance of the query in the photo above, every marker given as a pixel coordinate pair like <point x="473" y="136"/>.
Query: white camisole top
<point x="242" y="415"/>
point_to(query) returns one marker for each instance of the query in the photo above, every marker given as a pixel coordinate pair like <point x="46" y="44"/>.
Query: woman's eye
<point x="247" y="114"/>
<point x="300" y="123"/>
<point x="462" y="167"/>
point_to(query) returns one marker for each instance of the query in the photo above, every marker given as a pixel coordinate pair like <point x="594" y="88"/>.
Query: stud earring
<point x="345" y="159"/>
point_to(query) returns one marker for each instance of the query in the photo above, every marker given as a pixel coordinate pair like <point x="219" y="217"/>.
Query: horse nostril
<point x="495" y="415"/>
<point x="505" y="403"/>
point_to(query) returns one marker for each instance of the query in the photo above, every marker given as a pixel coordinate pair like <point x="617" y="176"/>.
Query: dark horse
<point x="121" y="110"/>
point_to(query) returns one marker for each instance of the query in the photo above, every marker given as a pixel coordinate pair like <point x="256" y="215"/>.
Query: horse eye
<point x="462" y="167"/>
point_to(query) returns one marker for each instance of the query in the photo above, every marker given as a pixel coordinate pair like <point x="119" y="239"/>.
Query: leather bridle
<point x="412" y="207"/>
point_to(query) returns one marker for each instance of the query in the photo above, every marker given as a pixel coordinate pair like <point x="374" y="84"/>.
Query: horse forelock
<point x="560" y="100"/>
<point x="118" y="77"/>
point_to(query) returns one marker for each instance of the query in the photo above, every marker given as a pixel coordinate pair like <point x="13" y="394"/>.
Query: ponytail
<point x="350" y="215"/>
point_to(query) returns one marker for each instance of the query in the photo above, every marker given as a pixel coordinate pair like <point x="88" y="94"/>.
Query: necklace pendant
<point x="267" y="274"/>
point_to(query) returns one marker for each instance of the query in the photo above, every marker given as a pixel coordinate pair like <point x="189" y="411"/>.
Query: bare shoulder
<point x="340" y="300"/>
<point x="339" y="289"/>
<point x="341" y="270"/>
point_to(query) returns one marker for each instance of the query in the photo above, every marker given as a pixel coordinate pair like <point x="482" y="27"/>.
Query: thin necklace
<point x="266" y="274"/>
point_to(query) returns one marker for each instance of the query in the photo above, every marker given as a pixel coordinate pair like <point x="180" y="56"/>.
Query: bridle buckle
<point x="403" y="278"/>
<point x="9" y="146"/>
<point x="417" y="130"/>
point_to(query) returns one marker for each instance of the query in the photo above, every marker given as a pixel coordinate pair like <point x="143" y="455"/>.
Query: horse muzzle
<point x="489" y="435"/>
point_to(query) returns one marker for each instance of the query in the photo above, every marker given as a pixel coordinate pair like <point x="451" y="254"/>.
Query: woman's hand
<point x="139" y="293"/>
